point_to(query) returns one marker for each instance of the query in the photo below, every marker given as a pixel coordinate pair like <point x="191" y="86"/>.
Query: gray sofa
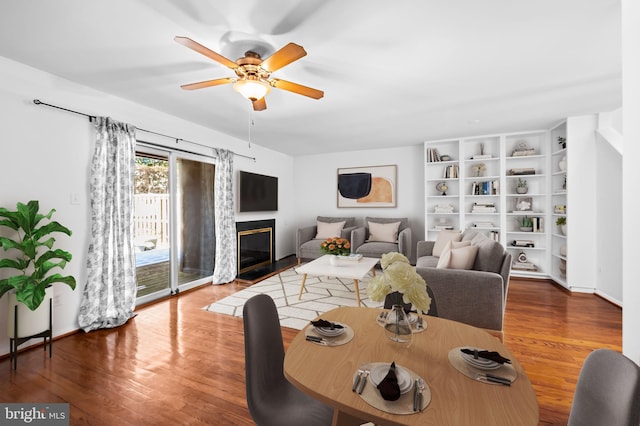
<point x="359" y="236"/>
<point x="477" y="296"/>
<point x="308" y="247"/>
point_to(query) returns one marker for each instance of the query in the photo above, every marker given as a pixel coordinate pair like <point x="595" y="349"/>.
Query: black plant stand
<point x="14" y="342"/>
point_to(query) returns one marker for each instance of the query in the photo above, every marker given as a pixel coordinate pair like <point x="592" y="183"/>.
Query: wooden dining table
<point x="327" y="374"/>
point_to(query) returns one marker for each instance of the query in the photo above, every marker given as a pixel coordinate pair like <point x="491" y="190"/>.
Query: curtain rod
<point x="93" y="117"/>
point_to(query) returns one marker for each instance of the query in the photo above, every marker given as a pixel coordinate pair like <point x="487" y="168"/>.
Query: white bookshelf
<point x="484" y="162"/>
<point x="559" y="207"/>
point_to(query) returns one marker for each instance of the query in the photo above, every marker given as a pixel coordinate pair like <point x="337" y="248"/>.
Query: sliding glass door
<point x="174" y="222"/>
<point x="194" y="230"/>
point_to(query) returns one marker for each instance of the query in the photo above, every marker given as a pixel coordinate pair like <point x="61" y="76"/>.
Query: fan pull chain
<point x="250" y="125"/>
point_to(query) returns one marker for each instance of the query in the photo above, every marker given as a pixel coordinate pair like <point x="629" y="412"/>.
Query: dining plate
<point x="329" y="332"/>
<point x="379" y="372"/>
<point x="481" y="363"/>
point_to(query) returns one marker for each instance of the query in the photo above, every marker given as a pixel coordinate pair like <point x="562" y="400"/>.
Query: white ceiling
<point x="394" y="73"/>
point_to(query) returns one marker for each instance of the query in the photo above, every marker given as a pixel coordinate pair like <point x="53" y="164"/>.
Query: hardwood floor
<point x="177" y="364"/>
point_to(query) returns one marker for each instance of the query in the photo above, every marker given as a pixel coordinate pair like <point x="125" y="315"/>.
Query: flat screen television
<point x="258" y="193"/>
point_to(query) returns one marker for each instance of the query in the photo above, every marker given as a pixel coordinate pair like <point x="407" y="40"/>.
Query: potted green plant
<point x="32" y="255"/>
<point x="562" y="141"/>
<point x="526" y="224"/>
<point x="522" y="187"/>
<point x="562" y="223"/>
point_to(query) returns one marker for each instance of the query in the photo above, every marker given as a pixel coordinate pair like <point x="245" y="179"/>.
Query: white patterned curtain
<point x="226" y="251"/>
<point x="110" y="293"/>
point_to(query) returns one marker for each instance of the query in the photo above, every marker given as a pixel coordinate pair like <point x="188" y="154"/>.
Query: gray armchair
<point x="477" y="296"/>
<point x="308" y="246"/>
<point x="360" y="238"/>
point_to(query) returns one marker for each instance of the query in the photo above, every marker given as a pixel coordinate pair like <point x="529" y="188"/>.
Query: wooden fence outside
<point x="151" y="218"/>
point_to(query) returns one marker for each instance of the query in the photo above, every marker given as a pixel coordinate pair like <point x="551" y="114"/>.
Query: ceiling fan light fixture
<point x="252" y="89"/>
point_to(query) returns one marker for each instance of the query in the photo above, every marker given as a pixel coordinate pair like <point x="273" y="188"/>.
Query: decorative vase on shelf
<point x="563" y="229"/>
<point x="562" y="164"/>
<point x="397" y="327"/>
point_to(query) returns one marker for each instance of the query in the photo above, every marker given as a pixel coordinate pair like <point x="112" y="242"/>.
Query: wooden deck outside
<point x="155" y="277"/>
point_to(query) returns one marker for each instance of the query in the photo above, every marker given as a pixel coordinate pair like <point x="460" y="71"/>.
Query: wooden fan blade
<point x="289" y="53"/>
<point x="297" y="88"/>
<point x="260" y="104"/>
<point x="193" y="45"/>
<point x="207" y="83"/>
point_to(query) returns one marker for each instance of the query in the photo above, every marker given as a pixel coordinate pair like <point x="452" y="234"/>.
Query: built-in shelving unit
<point x="483" y="194"/>
<point x="559" y="166"/>
<point x="442" y="187"/>
<point x="525" y="156"/>
<point x="558" y="189"/>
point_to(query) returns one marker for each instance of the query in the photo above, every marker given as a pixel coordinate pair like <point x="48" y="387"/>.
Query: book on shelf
<point x="483" y="225"/>
<point x="524" y="266"/>
<point x="485" y="188"/>
<point x="443" y="227"/>
<point x="451" y="172"/>
<point x="523" y="152"/>
<point x="523" y="243"/>
<point x="483" y="208"/>
<point x="519" y="171"/>
<point x="433" y="155"/>
<point x="537" y="224"/>
<point x="480" y="156"/>
<point x="443" y="208"/>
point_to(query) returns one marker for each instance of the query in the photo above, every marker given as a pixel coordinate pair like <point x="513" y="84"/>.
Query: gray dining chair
<point x="271" y="399"/>
<point x="607" y="392"/>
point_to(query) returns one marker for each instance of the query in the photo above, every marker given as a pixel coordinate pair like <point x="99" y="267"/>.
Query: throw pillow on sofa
<point x="327" y="230"/>
<point x="384" y="232"/>
<point x="490" y="254"/>
<point x="443" y="238"/>
<point x="458" y="255"/>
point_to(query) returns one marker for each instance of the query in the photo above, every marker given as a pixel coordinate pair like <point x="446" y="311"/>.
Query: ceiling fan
<point x="253" y="73"/>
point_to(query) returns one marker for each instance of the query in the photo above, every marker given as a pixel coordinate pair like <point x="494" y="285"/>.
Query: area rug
<point x="321" y="294"/>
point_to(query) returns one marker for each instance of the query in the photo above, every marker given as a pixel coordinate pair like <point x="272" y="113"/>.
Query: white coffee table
<point x="349" y="269"/>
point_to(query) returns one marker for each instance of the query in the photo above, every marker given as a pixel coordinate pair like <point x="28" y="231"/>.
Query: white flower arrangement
<point x="479" y="168"/>
<point x="398" y="275"/>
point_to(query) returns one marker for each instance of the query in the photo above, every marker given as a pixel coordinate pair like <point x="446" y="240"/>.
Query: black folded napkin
<point x="490" y="355"/>
<point x="388" y="387"/>
<point x="325" y="324"/>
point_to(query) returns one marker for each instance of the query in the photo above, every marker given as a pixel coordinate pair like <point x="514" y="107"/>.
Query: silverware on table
<point x="357" y="380"/>
<point x="363" y="381"/>
<point x="420" y="389"/>
<point x="491" y="378"/>
<point x="415" y="395"/>
<point x="316" y="339"/>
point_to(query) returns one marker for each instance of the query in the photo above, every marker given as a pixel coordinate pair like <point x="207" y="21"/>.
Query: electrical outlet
<point x="75" y="198"/>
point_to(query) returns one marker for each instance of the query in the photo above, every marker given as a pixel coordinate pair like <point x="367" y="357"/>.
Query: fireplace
<point x="256" y="244"/>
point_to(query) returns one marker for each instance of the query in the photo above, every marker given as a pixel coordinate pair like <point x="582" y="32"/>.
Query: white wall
<point x="631" y="178"/>
<point x="608" y="226"/>
<point x="45" y="155"/>
<point x="316" y="183"/>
